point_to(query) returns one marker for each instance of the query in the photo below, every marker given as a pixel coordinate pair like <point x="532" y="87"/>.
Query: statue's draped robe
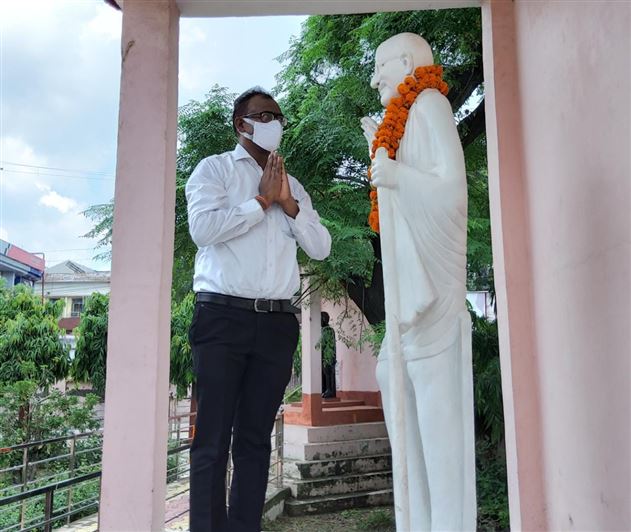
<point x="430" y="228"/>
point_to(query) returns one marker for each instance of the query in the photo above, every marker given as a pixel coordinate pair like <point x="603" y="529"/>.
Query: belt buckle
<point x="256" y="305"/>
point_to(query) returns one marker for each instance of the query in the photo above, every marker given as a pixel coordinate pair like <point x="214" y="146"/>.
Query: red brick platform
<point x="317" y="412"/>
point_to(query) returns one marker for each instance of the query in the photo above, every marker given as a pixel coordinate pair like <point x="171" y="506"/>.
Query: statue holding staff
<point x="424" y="368"/>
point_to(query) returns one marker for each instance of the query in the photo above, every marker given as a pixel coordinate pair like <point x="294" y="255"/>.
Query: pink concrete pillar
<point x="513" y="270"/>
<point x="136" y="399"/>
<point x="311" y="358"/>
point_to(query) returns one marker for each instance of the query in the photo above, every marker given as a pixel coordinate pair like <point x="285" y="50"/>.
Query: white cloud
<point x="60" y="87"/>
<point x="194" y="35"/>
<point x="16" y="149"/>
<point x="57" y="201"/>
<point x="4" y="234"/>
<point x="106" y="23"/>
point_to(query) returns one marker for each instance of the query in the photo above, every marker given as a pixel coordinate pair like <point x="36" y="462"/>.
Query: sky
<point x="59" y="88"/>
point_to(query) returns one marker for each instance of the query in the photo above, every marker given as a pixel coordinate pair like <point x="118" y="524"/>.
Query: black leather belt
<point x="257" y="305"/>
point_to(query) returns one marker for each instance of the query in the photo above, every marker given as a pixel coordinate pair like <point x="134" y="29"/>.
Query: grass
<point x="361" y="520"/>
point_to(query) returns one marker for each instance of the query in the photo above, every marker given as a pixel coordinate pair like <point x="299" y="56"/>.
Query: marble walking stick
<point x="396" y="429"/>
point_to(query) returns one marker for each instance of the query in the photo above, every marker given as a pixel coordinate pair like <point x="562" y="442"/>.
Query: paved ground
<point x="176" y="512"/>
<point x="365" y="519"/>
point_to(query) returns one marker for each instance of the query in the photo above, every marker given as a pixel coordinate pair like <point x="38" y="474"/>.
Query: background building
<point x="18" y="266"/>
<point x="73" y="283"/>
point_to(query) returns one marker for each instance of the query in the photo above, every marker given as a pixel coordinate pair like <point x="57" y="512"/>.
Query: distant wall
<point x="356" y="368"/>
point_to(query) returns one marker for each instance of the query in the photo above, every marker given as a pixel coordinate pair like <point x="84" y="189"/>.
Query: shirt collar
<point x="241" y="153"/>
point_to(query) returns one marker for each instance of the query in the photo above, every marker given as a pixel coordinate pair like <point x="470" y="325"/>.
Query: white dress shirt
<point x="243" y="250"/>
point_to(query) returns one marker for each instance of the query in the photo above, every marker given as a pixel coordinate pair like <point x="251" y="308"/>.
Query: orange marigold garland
<point x="390" y="131"/>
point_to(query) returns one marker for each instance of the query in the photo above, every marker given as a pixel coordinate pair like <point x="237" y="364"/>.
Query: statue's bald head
<point x="406" y="43"/>
<point x="396" y="58"/>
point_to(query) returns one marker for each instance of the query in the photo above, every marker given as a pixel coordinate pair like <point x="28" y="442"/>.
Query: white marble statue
<point x="424" y="368"/>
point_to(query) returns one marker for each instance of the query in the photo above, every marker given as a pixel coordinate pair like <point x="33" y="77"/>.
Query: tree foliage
<point x="103" y="217"/>
<point x="29" y="413"/>
<point x="487" y="389"/>
<point x="204" y="129"/>
<point x="325" y="89"/>
<point x="181" y="372"/>
<point x="91" y="351"/>
<point x="90" y="361"/>
<point x="30" y="344"/>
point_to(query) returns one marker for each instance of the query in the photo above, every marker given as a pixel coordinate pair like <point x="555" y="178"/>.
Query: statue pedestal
<point x="337" y="467"/>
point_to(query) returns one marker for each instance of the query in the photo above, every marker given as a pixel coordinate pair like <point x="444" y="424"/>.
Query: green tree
<point x="181" y="372"/>
<point x="325" y="91"/>
<point x="49" y="414"/>
<point x="491" y="480"/>
<point x="90" y="357"/>
<point x="103" y="217"/>
<point x="32" y="414"/>
<point x="90" y="361"/>
<point x="30" y="344"/>
<point x="324" y="88"/>
<point x="204" y="129"/>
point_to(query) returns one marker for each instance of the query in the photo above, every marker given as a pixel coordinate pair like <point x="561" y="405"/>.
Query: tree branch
<point x="472" y="125"/>
<point x="370" y="299"/>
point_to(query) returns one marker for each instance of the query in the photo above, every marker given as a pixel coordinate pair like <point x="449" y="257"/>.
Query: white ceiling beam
<point x="235" y="8"/>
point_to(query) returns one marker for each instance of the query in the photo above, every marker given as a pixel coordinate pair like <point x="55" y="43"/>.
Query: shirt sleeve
<point x="307" y="228"/>
<point x="210" y="218"/>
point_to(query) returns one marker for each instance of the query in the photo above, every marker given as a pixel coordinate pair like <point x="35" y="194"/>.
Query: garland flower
<point x="390" y="131"/>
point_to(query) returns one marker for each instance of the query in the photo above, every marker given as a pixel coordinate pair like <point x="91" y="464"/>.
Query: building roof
<point x="70" y="267"/>
<point x="72" y="272"/>
<point x="69" y="324"/>
<point x="15" y="259"/>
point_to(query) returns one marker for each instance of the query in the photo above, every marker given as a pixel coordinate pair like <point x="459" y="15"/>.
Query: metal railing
<point x="49" y="491"/>
<point x="276" y="459"/>
<point x="34" y="472"/>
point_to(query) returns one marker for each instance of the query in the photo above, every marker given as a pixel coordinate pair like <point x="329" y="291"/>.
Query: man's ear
<point x="242" y="126"/>
<point x="408" y="63"/>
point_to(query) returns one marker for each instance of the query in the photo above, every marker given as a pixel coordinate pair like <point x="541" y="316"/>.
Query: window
<point x="77" y="307"/>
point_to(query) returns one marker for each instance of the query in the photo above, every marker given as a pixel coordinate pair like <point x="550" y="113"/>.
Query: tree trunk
<point x="370" y="299"/>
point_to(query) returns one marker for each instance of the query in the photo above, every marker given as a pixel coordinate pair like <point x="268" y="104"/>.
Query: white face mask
<point x="266" y="135"/>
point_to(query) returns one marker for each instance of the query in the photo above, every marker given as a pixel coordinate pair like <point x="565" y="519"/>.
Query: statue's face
<point x="391" y="67"/>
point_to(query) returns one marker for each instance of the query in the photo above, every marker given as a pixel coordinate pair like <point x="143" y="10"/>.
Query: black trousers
<point x="242" y="361"/>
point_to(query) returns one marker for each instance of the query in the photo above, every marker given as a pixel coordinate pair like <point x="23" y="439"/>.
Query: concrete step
<point x="337" y="449"/>
<point x="354" y="483"/>
<point x="304" y="470"/>
<point x="342" y="403"/>
<point x="334" y="503"/>
<point x="333" y="403"/>
<point x="340" y="415"/>
<point x="275" y="501"/>
<point x="353" y="431"/>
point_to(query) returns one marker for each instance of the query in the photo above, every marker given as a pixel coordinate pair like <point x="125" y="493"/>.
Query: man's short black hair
<point x="241" y="103"/>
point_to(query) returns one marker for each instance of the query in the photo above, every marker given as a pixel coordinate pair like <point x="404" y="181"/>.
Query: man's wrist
<point x="290" y="206"/>
<point x="263" y="202"/>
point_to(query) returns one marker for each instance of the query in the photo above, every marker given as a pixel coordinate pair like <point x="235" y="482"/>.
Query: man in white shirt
<point x="246" y="215"/>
